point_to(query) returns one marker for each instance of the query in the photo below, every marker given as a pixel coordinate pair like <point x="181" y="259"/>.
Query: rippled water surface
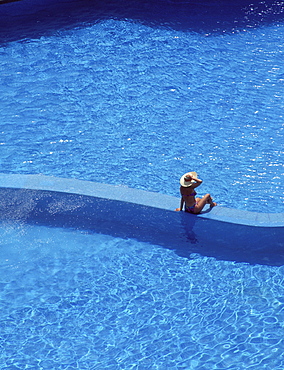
<point x="137" y="95"/>
<point x="73" y="300"/>
<point x="176" y="87"/>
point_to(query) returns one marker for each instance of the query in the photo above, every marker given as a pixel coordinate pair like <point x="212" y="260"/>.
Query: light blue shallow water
<point x="73" y="300"/>
<point x="146" y="104"/>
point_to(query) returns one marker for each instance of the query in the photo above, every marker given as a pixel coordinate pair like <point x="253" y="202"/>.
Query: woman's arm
<point x="181" y="203"/>
<point x="197" y="182"/>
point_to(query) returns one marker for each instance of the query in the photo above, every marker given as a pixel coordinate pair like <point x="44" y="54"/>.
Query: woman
<point x="189" y="182"/>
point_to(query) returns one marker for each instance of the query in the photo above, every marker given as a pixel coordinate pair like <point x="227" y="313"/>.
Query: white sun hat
<point x="186" y="179"/>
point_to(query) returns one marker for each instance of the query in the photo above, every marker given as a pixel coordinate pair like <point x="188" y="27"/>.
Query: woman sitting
<point x="189" y="182"/>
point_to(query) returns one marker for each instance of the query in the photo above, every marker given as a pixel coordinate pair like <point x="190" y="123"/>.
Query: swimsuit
<point x="190" y="209"/>
<point x="190" y="195"/>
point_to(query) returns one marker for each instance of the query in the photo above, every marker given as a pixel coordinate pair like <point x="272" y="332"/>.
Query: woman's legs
<point x="201" y="203"/>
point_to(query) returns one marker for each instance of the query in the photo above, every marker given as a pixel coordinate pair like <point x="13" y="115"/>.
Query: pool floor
<point x="77" y="300"/>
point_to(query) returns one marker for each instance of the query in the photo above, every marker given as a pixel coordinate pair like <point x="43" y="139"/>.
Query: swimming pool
<point x="84" y="287"/>
<point x="144" y="93"/>
<point x="121" y="304"/>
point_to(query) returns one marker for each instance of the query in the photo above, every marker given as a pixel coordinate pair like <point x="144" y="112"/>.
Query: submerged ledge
<point x="223" y="233"/>
<point x="136" y="196"/>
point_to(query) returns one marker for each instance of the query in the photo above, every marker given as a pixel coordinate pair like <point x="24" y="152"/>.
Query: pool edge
<point x="136" y="196"/>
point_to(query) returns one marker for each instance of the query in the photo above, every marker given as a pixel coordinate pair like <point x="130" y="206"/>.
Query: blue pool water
<point x="73" y="300"/>
<point x="137" y="96"/>
<point x="146" y="93"/>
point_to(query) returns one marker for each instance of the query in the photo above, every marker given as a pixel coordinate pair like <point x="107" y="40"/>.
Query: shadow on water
<point x="184" y="234"/>
<point x="27" y="19"/>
